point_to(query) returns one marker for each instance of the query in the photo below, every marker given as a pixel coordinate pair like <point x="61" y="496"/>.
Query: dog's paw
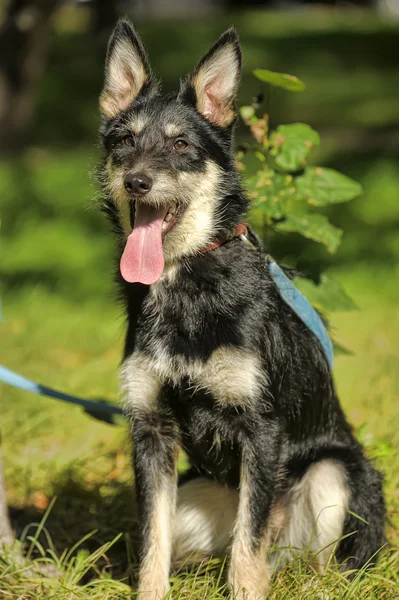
<point x="154" y="592"/>
<point x="243" y="593"/>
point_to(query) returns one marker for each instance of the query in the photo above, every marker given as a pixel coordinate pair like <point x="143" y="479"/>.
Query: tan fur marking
<point x="314" y="513"/>
<point x="329" y="499"/>
<point x="155" y="567"/>
<point x="249" y="572"/>
<point x="172" y="130"/>
<point x="233" y="376"/>
<point x="138" y="124"/>
<point x="204" y="519"/>
<point x="197" y="226"/>
<point x="197" y="192"/>
<point x="140" y="385"/>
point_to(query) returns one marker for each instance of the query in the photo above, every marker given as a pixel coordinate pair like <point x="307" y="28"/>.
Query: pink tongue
<point x="142" y="259"/>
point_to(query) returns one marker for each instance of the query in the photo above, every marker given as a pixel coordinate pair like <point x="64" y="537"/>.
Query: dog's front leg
<point x="155" y="449"/>
<point x="249" y="573"/>
<point x="155" y="439"/>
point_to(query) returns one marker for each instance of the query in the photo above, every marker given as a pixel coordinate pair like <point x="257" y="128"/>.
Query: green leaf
<point x="260" y="156"/>
<point x="328" y="295"/>
<point x="320" y="186"/>
<point x="292" y="144"/>
<point x="273" y="192"/>
<point x="288" y="82"/>
<point x="313" y="227"/>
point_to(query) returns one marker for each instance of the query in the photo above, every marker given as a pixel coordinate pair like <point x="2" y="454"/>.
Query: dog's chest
<point x="180" y="342"/>
<point x="189" y="352"/>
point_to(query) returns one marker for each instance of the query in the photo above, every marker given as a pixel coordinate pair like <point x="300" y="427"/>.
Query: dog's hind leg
<point x="205" y="515"/>
<point x="314" y="512"/>
<point x="365" y="520"/>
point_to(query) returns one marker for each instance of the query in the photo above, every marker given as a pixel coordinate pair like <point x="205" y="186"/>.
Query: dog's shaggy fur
<point x="215" y="362"/>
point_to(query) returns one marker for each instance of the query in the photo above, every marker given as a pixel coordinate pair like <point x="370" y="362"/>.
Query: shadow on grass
<point x="83" y="520"/>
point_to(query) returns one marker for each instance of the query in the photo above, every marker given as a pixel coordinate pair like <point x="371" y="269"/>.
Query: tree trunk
<point x="23" y="53"/>
<point x="6" y="535"/>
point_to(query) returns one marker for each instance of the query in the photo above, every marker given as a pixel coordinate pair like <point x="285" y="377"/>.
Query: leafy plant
<point x="289" y="192"/>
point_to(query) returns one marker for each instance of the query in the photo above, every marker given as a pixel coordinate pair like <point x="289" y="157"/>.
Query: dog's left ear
<point x="127" y="71"/>
<point x="215" y="81"/>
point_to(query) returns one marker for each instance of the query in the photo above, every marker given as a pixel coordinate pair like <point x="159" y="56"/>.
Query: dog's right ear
<point x="127" y="70"/>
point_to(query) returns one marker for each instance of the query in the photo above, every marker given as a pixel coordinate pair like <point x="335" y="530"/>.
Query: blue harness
<point x="302" y="307"/>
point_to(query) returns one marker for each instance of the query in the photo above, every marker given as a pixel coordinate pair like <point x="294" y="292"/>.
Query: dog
<point x="215" y="362"/>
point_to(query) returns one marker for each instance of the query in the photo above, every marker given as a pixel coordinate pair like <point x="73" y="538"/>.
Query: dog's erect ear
<point x="126" y="69"/>
<point x="216" y="79"/>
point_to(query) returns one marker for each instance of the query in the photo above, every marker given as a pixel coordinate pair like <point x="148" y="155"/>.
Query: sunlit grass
<point x="55" y="450"/>
<point x="63" y="577"/>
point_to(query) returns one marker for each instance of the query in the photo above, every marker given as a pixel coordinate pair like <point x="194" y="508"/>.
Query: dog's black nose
<point x="137" y="183"/>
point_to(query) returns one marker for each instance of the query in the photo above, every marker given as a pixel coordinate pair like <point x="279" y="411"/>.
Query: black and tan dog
<point x="215" y="362"/>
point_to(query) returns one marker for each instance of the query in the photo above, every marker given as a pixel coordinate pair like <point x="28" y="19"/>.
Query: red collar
<point x="241" y="229"/>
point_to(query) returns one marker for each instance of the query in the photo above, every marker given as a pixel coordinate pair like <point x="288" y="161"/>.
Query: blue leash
<point x="104" y="411"/>
<point x="99" y="410"/>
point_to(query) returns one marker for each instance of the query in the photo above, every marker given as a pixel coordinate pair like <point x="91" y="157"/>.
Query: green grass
<point x="62" y="326"/>
<point x="55" y="451"/>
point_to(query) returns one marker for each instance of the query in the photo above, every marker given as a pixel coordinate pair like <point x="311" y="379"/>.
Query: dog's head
<point x="169" y="162"/>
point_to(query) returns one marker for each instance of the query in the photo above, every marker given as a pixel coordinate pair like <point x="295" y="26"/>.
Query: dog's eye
<point x="128" y="140"/>
<point x="180" y="145"/>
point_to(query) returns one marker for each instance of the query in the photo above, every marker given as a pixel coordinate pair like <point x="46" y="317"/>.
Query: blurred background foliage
<point x="51" y="233"/>
<point x="61" y="323"/>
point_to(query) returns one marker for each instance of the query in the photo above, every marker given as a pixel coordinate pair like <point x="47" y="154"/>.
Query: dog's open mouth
<point x="170" y="218"/>
<point x="142" y="259"/>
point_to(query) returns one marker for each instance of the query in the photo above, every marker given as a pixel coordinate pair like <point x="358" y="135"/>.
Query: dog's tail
<point x="204" y="521"/>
